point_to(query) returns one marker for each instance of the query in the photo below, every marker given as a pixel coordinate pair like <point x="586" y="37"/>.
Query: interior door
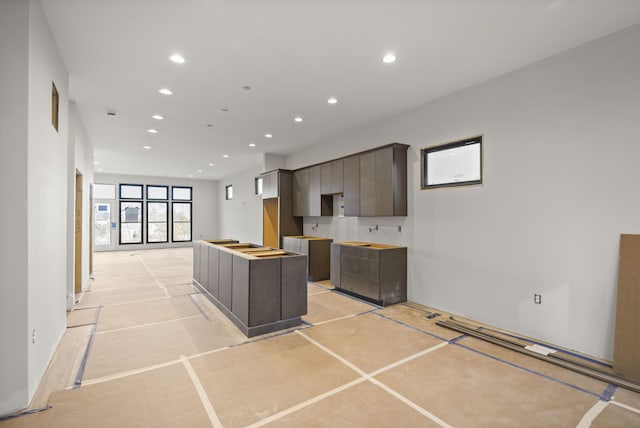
<point x="104" y="236"/>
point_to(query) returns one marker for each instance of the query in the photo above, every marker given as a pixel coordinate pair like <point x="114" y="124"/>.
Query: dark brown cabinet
<point x="352" y="186"/>
<point x="383" y="182"/>
<point x="337" y="170"/>
<point x="270" y="185"/>
<point x="314" y="191"/>
<point x="301" y="193"/>
<point x="375" y="272"/>
<point x="316" y="249"/>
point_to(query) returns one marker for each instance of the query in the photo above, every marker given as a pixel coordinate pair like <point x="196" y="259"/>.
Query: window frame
<point x="121" y="222"/>
<point x="424" y="153"/>
<point x="173" y="197"/>
<point x="256" y="186"/>
<point x="159" y="186"/>
<point x="166" y="222"/>
<point x="227" y="188"/>
<point x="121" y="185"/>
<point x="173" y="222"/>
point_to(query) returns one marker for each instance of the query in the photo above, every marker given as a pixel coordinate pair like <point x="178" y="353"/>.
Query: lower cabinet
<point x="317" y="250"/>
<point x="260" y="289"/>
<point x="374" y="272"/>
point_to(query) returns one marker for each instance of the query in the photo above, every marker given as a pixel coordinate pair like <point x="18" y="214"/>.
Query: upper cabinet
<point x="373" y="183"/>
<point x="383" y="182"/>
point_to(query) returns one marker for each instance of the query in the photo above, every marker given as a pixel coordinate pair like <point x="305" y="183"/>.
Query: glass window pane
<point x="131" y="191"/>
<point x="157" y="212"/>
<point x="131" y="212"/>
<point x="157" y="192"/>
<point x="102" y="224"/>
<point x="181" y="212"/>
<point x="453" y="164"/>
<point x="229" y="192"/>
<point x="157" y="232"/>
<point x="182" y="231"/>
<point x="104" y="191"/>
<point x="259" y="186"/>
<point x="130" y="233"/>
<point x="181" y="193"/>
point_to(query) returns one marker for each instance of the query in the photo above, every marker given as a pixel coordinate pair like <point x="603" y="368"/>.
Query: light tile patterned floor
<point x="162" y="355"/>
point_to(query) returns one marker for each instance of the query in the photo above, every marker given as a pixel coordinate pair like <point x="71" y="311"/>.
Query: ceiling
<point x="294" y="55"/>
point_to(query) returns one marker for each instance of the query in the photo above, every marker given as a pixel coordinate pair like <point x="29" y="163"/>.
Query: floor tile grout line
<point x="454" y="342"/>
<point x="592" y="414"/>
<point x="625" y="406"/>
<point x="370" y="378"/>
<point x="307" y="403"/>
<point x="147" y="324"/>
<point x="342" y="318"/>
<point x="318" y="292"/>
<point x="528" y="370"/>
<point x="410" y="403"/>
<point x="128" y="373"/>
<point x="151" y="299"/>
<point x="204" y="398"/>
<point x="155" y="278"/>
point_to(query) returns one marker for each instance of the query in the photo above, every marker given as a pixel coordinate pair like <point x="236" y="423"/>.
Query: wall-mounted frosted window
<point x="131" y="191"/>
<point x="180" y="193"/>
<point x="181" y="221"/>
<point x="258" y="185"/>
<point x="104" y="191"/>
<point x="130" y="222"/>
<point x="160" y="193"/>
<point x="228" y="192"/>
<point x="452" y="164"/>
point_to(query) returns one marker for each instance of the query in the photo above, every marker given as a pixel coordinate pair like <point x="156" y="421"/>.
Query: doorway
<point x="104" y="226"/>
<point x="78" y="234"/>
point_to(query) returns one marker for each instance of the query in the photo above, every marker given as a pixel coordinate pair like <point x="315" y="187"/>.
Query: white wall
<point x="561" y="184"/>
<point x="241" y="217"/>
<point x="204" y="207"/>
<point x="80" y="158"/>
<point x="14" y="43"/>
<point x="47" y="184"/>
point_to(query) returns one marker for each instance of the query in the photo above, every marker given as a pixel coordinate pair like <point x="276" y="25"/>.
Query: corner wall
<point x="14" y="44"/>
<point x="47" y="184"/>
<point x="561" y="184"/>
<point x="241" y="217"/>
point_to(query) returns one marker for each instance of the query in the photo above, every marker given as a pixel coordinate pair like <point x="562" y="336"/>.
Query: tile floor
<point x="161" y="355"/>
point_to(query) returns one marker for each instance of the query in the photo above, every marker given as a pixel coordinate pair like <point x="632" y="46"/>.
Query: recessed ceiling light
<point x="210" y="164"/>
<point x="199" y="170"/>
<point x="147" y="147"/>
<point x="99" y="169"/>
<point x="152" y="131"/>
<point x="297" y="119"/>
<point x="389" y="58"/>
<point x="157" y="117"/>
<point x="252" y="144"/>
<point x="96" y="163"/>
<point x="225" y="156"/>
<point x="190" y="175"/>
<point x="268" y="135"/>
<point x="332" y="100"/>
<point x="178" y="59"/>
<point x="165" y="91"/>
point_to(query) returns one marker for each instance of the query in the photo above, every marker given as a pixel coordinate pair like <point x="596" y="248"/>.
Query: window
<point x="228" y="192"/>
<point x="258" y="185"/>
<point x="157" y="222"/>
<point x="181" y="221"/>
<point x="179" y="193"/>
<point x="131" y="191"/>
<point x="452" y="164"/>
<point x="130" y="222"/>
<point x="160" y="193"/>
<point x="104" y="191"/>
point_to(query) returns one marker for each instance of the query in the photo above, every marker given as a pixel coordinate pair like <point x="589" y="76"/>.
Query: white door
<point x="104" y="233"/>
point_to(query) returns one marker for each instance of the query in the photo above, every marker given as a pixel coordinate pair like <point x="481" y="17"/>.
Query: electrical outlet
<point x="537" y="299"/>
